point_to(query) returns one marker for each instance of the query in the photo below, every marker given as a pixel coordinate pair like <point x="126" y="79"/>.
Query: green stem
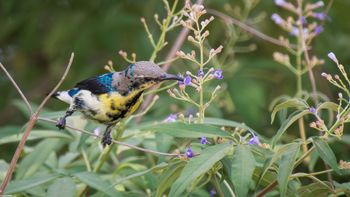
<point x="218" y="187"/>
<point x="164" y="29"/>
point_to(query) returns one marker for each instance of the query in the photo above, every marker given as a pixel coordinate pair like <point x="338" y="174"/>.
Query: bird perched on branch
<point x="111" y="97"/>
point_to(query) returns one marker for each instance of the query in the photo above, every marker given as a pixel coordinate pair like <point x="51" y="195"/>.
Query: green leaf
<point x="277" y="100"/>
<point x="62" y="187"/>
<point x="179" y="129"/>
<point x="94" y="181"/>
<point x="326" y="153"/>
<point x="297" y="103"/>
<point x="286" y="165"/>
<point x="271" y="160"/>
<point x="198" y="166"/>
<point x="290" y="120"/>
<point x="36" y="134"/>
<point x="168" y="178"/>
<point x="227" y="123"/>
<point x="314" y="189"/>
<point x="32" y="162"/>
<point x="328" y="105"/>
<point x="25" y="184"/>
<point x="137" y="174"/>
<point x="243" y="165"/>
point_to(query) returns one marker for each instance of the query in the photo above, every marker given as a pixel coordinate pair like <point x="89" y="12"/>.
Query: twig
<point x="30" y="125"/>
<point x="172" y="53"/>
<point x="230" y="20"/>
<point x="113" y="141"/>
<point x="267" y="189"/>
<point x="25" y="100"/>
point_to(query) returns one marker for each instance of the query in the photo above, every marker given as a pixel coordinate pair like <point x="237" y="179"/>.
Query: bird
<point x="112" y="97"/>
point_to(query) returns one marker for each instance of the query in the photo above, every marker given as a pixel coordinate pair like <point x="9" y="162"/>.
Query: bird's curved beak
<point x="171" y="77"/>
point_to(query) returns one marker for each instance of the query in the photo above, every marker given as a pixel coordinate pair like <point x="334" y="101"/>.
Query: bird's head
<point x="144" y="74"/>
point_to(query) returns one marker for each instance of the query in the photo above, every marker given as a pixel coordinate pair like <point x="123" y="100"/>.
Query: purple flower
<point x="277" y="19"/>
<point x="200" y="73"/>
<point x="171" y="118"/>
<point x="280" y="2"/>
<point x="218" y="74"/>
<point x="189" y="152"/>
<point x="303" y="20"/>
<point x="318" y="29"/>
<point x="212" y="192"/>
<point x="254" y="140"/>
<point x="187" y="80"/>
<point x="320" y="15"/>
<point x="294" y="31"/>
<point x="333" y="57"/>
<point x="204" y="140"/>
<point x="312" y="110"/>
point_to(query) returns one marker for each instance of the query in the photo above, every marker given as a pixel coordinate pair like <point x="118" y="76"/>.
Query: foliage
<point x="202" y="147"/>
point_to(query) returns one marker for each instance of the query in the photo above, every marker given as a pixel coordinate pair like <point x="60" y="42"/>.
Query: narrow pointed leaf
<point x="326" y="153"/>
<point x="25" y="184"/>
<point x="62" y="187"/>
<point x="32" y="162"/>
<point x="291" y="119"/>
<point x="297" y="103"/>
<point x="182" y="130"/>
<point x="96" y="182"/>
<point x="197" y="166"/>
<point x="243" y="165"/>
<point x="286" y="165"/>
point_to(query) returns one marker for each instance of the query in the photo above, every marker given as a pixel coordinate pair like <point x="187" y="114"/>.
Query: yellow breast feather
<point x="114" y="106"/>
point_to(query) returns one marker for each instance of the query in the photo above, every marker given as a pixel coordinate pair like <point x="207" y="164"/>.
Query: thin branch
<point x="230" y="20"/>
<point x="30" y="125"/>
<point x="267" y="189"/>
<point x="113" y="141"/>
<point x="25" y="100"/>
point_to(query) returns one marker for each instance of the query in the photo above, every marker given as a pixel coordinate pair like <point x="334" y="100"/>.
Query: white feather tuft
<point x="64" y="96"/>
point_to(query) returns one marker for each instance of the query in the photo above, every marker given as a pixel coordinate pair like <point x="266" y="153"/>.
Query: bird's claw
<point x="61" y="123"/>
<point x="106" y="139"/>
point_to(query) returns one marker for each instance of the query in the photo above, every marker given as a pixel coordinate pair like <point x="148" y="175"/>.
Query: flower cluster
<point x="199" y="57"/>
<point x="292" y="25"/>
<point x="344" y="164"/>
<point x="343" y="108"/>
<point x="304" y="23"/>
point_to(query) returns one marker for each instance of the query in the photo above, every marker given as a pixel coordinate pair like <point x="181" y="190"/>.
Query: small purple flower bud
<point x="318" y="29"/>
<point x="171" y="118"/>
<point x="294" y="31"/>
<point x="320" y="15"/>
<point x="280" y="3"/>
<point x="200" y="73"/>
<point x="277" y="19"/>
<point x="187" y="80"/>
<point x="212" y="192"/>
<point x="189" y="152"/>
<point x="333" y="57"/>
<point x="312" y="110"/>
<point x="319" y="4"/>
<point x="324" y="74"/>
<point x="204" y="140"/>
<point x="218" y="74"/>
<point x="254" y="140"/>
<point x="303" y="20"/>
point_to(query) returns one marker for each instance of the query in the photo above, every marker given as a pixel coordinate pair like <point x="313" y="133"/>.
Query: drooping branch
<point x="113" y="141"/>
<point x="33" y="119"/>
<point x="24" y="98"/>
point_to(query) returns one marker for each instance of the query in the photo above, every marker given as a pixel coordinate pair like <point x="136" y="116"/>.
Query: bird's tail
<point x="63" y="96"/>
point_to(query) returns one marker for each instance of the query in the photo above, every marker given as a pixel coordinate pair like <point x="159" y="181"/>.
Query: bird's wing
<point x="97" y="85"/>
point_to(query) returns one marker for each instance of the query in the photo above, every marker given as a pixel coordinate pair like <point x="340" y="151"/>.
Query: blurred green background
<point x="37" y="37"/>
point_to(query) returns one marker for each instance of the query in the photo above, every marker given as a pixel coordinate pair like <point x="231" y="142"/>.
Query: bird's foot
<point x="106" y="139"/>
<point x="61" y="123"/>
